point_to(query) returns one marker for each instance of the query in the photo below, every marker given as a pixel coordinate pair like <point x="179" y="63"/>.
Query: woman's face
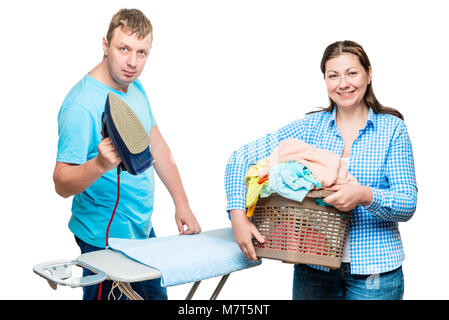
<point x="346" y="80"/>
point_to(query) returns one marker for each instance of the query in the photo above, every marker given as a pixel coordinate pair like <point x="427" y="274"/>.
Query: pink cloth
<point x="326" y="166"/>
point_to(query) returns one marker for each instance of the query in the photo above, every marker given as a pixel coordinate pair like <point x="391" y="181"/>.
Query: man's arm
<point x="71" y="179"/>
<point x="168" y="173"/>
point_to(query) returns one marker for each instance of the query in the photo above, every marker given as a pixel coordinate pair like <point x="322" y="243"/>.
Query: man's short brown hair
<point x="132" y="20"/>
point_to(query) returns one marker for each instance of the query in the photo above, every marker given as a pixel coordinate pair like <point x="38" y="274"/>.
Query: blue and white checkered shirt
<point x="381" y="158"/>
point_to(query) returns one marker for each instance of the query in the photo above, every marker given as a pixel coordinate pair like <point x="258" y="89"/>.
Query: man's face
<point x="126" y="55"/>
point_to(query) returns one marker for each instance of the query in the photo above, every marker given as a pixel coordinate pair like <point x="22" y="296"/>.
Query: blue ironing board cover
<point x="187" y="258"/>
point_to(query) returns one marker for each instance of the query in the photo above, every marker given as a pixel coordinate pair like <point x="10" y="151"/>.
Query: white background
<point x="220" y="74"/>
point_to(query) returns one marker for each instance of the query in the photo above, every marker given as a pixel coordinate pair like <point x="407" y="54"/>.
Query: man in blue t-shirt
<point x="86" y="163"/>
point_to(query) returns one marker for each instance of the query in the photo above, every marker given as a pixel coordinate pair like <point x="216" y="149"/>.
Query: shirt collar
<point x="333" y="119"/>
<point x="370" y="121"/>
<point x="371" y="118"/>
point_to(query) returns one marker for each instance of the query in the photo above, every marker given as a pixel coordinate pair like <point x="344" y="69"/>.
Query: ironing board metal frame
<point x="124" y="271"/>
<point x="108" y="264"/>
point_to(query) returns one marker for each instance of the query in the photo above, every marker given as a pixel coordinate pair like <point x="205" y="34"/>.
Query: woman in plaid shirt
<point x="374" y="139"/>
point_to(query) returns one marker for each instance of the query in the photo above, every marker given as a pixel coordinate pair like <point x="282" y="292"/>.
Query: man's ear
<point x="105" y="46"/>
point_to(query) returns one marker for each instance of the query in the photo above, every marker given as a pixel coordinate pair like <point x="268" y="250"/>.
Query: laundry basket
<point x="301" y="232"/>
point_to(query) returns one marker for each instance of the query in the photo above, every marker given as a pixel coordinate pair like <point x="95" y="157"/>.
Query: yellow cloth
<point x="253" y="190"/>
<point x="253" y="187"/>
<point x="254" y="170"/>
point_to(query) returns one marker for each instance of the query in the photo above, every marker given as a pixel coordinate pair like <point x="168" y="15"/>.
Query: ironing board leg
<point x="126" y="288"/>
<point x="219" y="286"/>
<point x="193" y="290"/>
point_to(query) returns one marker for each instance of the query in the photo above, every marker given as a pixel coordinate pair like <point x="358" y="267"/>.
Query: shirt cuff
<point x="377" y="201"/>
<point x="236" y="203"/>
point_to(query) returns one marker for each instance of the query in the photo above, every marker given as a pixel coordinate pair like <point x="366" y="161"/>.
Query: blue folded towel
<point x="187" y="258"/>
<point x="291" y="180"/>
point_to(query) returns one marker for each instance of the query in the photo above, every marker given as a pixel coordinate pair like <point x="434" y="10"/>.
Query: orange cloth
<point x="250" y="210"/>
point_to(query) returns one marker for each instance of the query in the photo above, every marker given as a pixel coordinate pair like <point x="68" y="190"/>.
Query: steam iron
<point x="127" y="134"/>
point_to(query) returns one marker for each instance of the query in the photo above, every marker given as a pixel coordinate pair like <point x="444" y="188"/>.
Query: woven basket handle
<point x="319" y="193"/>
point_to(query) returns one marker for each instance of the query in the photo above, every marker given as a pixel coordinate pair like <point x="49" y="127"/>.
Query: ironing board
<point x="111" y="265"/>
<point x="121" y="270"/>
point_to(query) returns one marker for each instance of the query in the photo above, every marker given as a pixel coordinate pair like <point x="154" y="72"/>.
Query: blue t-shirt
<point x="79" y="128"/>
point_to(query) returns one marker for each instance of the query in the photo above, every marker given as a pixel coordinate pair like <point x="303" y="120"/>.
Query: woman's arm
<point x="240" y="161"/>
<point x="237" y="166"/>
<point x="398" y="201"/>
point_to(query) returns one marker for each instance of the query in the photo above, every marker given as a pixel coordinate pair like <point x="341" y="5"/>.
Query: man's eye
<point x="143" y="52"/>
<point x="352" y="73"/>
<point x="123" y="49"/>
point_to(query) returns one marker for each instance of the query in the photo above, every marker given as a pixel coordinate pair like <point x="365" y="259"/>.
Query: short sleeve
<point x="152" y="120"/>
<point x="75" y="125"/>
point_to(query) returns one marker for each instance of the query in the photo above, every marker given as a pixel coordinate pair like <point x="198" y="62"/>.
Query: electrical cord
<point x="119" y="170"/>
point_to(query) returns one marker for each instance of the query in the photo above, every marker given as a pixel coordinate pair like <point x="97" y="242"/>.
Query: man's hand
<point x="185" y="216"/>
<point x="71" y="179"/>
<point x="108" y="157"/>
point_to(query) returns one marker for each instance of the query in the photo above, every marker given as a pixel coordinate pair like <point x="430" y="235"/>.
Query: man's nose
<point x="132" y="59"/>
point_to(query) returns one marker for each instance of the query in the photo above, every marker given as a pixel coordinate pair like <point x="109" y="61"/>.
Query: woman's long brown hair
<point x="337" y="48"/>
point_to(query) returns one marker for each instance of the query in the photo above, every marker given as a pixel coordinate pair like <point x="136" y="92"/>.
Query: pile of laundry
<point x="292" y="170"/>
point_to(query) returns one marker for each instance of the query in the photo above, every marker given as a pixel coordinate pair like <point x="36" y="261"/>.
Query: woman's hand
<point x="349" y="196"/>
<point x="244" y="230"/>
